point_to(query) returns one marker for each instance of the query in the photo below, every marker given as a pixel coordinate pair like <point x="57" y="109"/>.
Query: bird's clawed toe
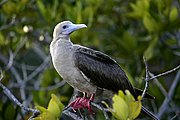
<point x="82" y="103"/>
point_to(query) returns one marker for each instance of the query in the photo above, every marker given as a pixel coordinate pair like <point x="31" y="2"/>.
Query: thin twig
<point x="11" y="59"/>
<point x="8" y="93"/>
<point x="49" y="88"/>
<point x="3" y="2"/>
<point x="169" y="96"/>
<point x="159" y="85"/>
<point x="13" y="22"/>
<point x="72" y="115"/>
<point x="146" y="79"/>
<point x="99" y="107"/>
<point x="165" y="73"/>
<point x="105" y="113"/>
<point x="176" y="115"/>
<point x="39" y="69"/>
<point x="1" y="75"/>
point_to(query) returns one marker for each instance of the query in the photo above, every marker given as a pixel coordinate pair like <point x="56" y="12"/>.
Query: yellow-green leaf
<point x="41" y="109"/>
<point x="45" y="116"/>
<point x="149" y="23"/>
<point x="41" y="8"/>
<point x="173" y="14"/>
<point x="56" y="99"/>
<point x="149" y="52"/>
<point x="140" y="8"/>
<point x="125" y="107"/>
<point x="135" y="108"/>
<point x="53" y="107"/>
<point x="121" y="94"/>
<point x="120" y="108"/>
<point x="128" y="97"/>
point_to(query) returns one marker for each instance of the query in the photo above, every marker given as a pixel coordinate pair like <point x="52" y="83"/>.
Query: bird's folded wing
<point x="101" y="70"/>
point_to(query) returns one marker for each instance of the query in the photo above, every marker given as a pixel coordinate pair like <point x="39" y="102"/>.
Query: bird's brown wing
<point x="102" y="70"/>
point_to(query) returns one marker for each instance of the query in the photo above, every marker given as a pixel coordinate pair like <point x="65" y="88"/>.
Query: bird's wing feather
<point x="101" y="70"/>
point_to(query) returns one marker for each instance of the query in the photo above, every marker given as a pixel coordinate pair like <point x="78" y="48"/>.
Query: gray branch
<point x="148" y="78"/>
<point x="165" y="73"/>
<point x="168" y="98"/>
<point x="8" y="93"/>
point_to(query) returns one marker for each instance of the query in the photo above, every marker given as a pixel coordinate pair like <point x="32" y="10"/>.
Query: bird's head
<point x="65" y="28"/>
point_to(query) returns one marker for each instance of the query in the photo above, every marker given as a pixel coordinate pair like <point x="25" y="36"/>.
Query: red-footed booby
<point x="85" y="69"/>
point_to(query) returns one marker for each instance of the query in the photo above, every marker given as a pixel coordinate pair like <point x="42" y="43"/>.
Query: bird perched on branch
<point x="87" y="70"/>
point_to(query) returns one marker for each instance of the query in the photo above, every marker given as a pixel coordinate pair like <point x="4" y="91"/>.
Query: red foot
<point x="82" y="103"/>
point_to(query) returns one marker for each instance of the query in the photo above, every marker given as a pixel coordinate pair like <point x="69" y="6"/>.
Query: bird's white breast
<point x="62" y="58"/>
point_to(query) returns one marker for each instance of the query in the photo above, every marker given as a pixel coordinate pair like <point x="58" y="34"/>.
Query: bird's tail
<point x="148" y="113"/>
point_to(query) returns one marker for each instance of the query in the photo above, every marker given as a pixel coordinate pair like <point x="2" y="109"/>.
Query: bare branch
<point x="13" y="21"/>
<point x="176" y="115"/>
<point x="49" y="88"/>
<point x="68" y="113"/>
<point x="169" y="96"/>
<point x="165" y="73"/>
<point x="11" y="58"/>
<point x="3" y="2"/>
<point x="159" y="85"/>
<point x="8" y="93"/>
<point x="105" y="113"/>
<point x="1" y="75"/>
<point x="146" y="79"/>
<point x="99" y="107"/>
<point x="39" y="69"/>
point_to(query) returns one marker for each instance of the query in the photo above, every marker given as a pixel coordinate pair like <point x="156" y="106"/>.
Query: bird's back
<point x="102" y="70"/>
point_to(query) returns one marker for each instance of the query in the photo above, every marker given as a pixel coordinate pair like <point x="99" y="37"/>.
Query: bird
<point x="87" y="70"/>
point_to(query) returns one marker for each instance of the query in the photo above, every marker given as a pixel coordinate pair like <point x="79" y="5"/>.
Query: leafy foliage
<point x="125" y="30"/>
<point x="125" y="107"/>
<point x="53" y="111"/>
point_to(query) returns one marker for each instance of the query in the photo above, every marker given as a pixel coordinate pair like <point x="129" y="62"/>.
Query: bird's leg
<point x="82" y="102"/>
<point x="89" y="104"/>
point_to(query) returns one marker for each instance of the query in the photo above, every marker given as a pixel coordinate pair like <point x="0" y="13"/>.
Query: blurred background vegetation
<point x="126" y="30"/>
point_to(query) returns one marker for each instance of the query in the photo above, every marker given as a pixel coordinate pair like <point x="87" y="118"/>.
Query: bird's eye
<point x="65" y="26"/>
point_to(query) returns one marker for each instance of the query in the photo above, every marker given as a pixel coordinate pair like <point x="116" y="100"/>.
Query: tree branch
<point x="3" y="2"/>
<point x="8" y="93"/>
<point x="165" y="73"/>
<point x="169" y="96"/>
<point x="159" y="85"/>
<point x="148" y="78"/>
<point x="69" y="113"/>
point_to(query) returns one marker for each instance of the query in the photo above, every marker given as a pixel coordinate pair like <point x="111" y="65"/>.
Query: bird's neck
<point x="61" y="38"/>
<point x="60" y="42"/>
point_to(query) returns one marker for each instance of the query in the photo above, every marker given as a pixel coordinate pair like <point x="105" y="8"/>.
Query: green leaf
<point x="53" y="107"/>
<point x="140" y="8"/>
<point x="128" y="97"/>
<point x="53" y="111"/>
<point x="173" y="14"/>
<point x="56" y="99"/>
<point x="79" y="12"/>
<point x="41" y="109"/>
<point x="9" y="112"/>
<point x="149" y="23"/>
<point x="135" y="108"/>
<point x="149" y="52"/>
<point x="42" y="8"/>
<point x="125" y="107"/>
<point x="120" y="108"/>
<point x="47" y="116"/>
<point x="129" y="42"/>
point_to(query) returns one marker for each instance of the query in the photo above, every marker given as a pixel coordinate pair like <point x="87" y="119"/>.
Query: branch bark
<point x="8" y="93"/>
<point x="168" y="98"/>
